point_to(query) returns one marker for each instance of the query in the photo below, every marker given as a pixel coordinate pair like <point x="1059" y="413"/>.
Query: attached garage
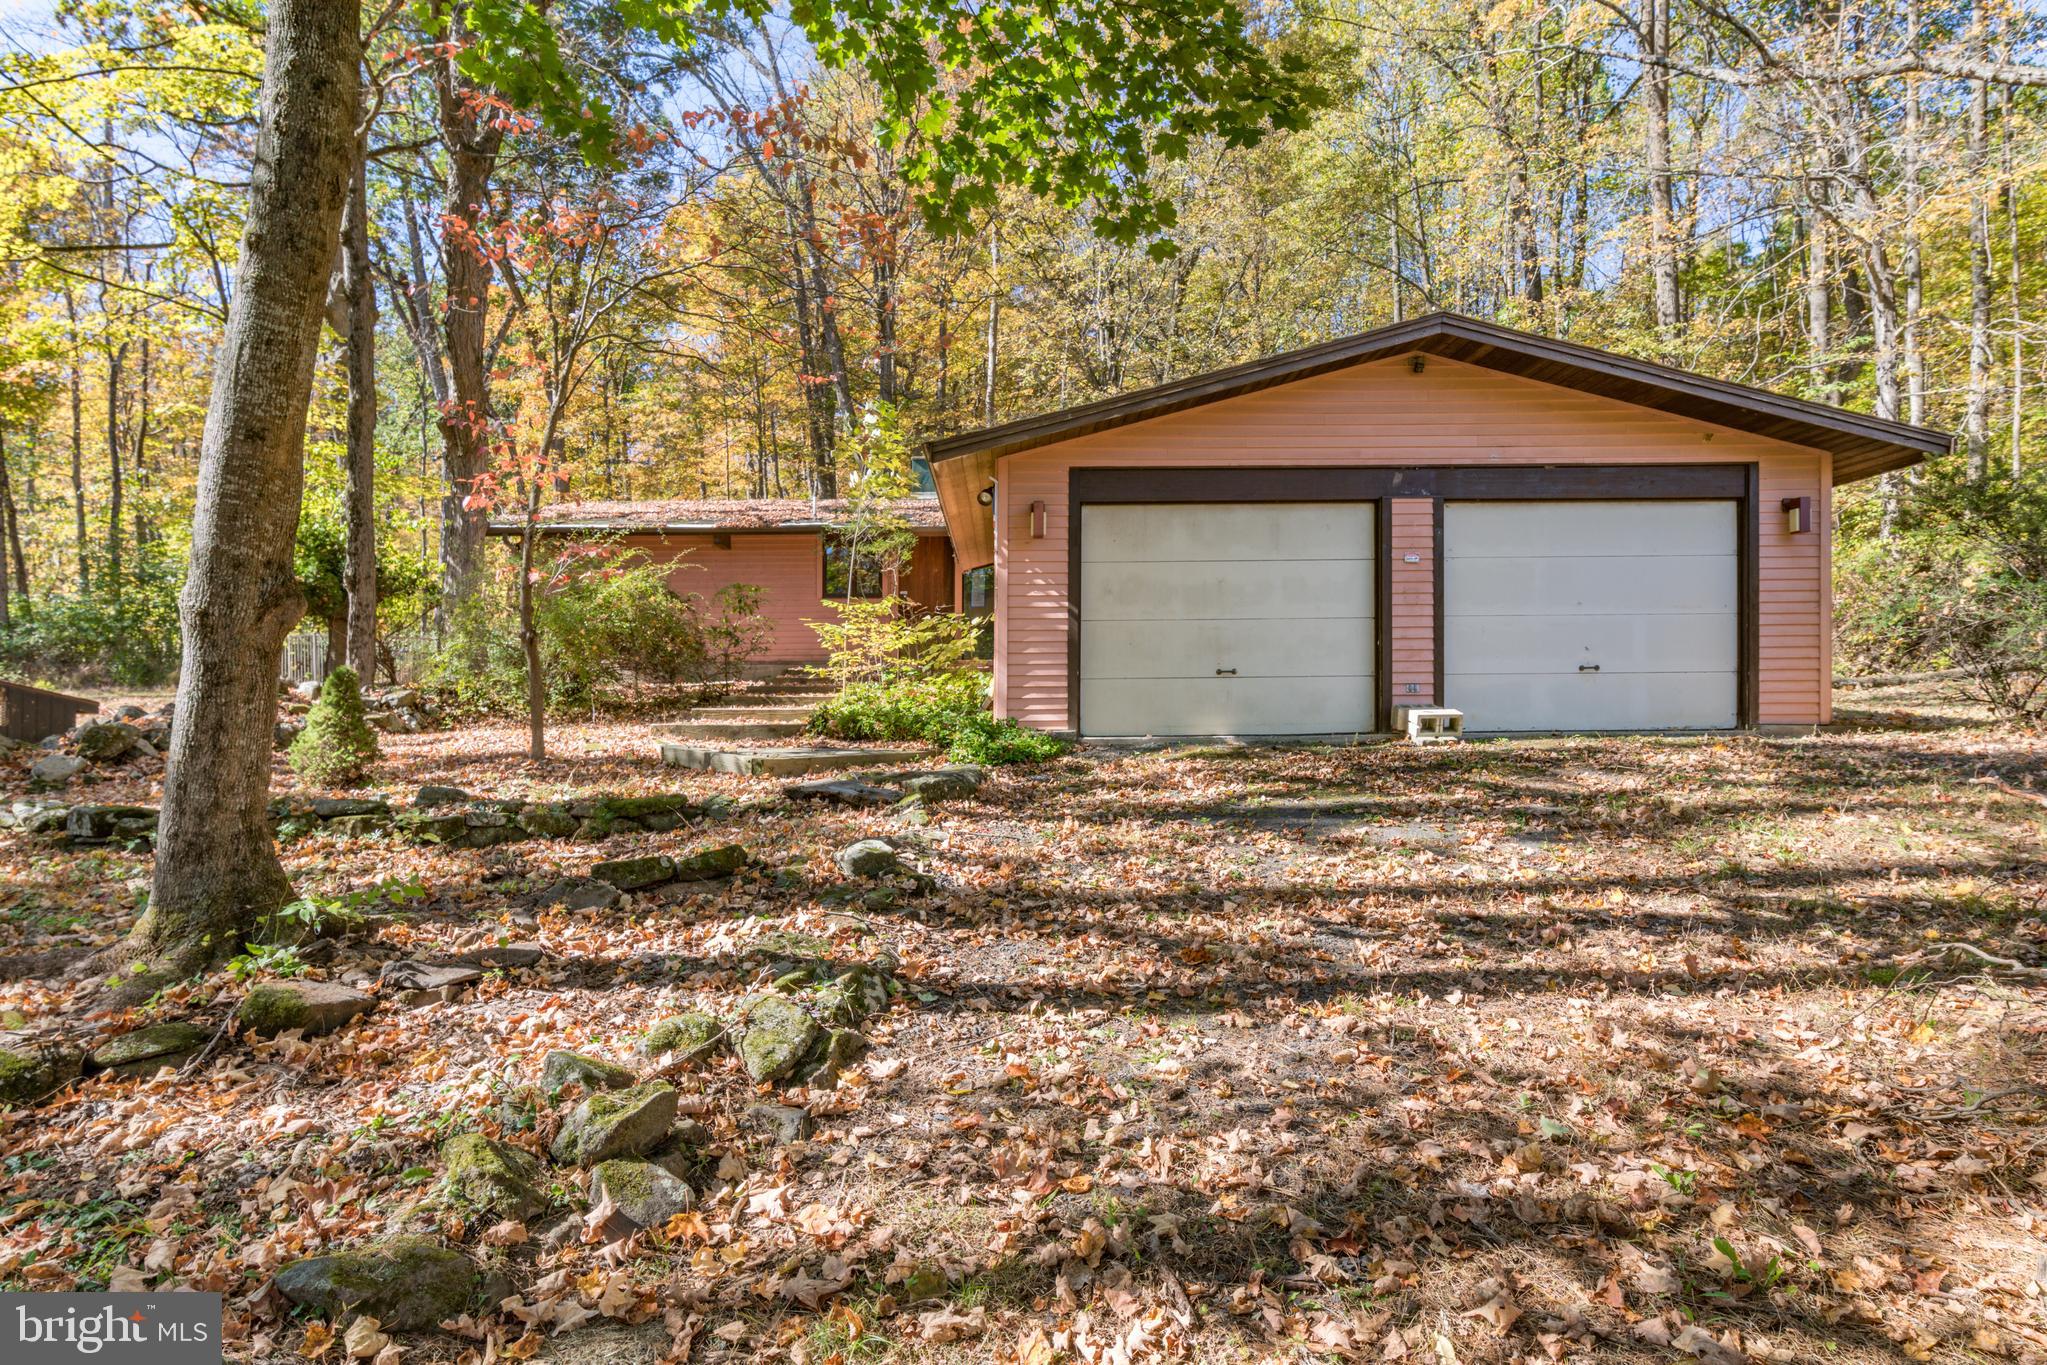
<point x="1227" y="619"/>
<point x="1440" y="512"/>
<point x="1613" y="615"/>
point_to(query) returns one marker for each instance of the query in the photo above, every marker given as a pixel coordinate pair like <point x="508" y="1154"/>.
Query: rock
<point x="107" y="741"/>
<point x="308" y="691"/>
<point x="440" y="796"/>
<point x="358" y="826"/>
<point x="845" y="791"/>
<point x="689" y="1037"/>
<point x="433" y="826"/>
<point x="635" y="874"/>
<point x="404" y="699"/>
<point x="562" y="1068"/>
<point x="954" y="782"/>
<point x="96" y="824"/>
<point x="925" y="1281"/>
<point x="389" y="722"/>
<point x="146" y="1050"/>
<point x="913" y="812"/>
<point x="868" y="858"/>
<point x="710" y="864"/>
<point x="334" y="807"/>
<point x="56" y="770"/>
<point x="496" y="955"/>
<point x="129" y="711"/>
<point x="547" y="822"/>
<point x="785" y="1123"/>
<point x="648" y="1194"/>
<point x="284" y="732"/>
<point x="858" y="992"/>
<point x="634" y="807"/>
<point x="315" y="1006"/>
<point x="491" y="1178"/>
<point x="775" y="1037"/>
<point x="30" y="1071"/>
<point x="842" y="1048"/>
<point x="422" y="976"/>
<point x="34" y="819"/>
<point x="407" y="1284"/>
<point x="577" y="894"/>
<point x="615" y="1123"/>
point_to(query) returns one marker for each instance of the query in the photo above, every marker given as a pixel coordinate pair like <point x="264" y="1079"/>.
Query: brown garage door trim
<point x="1462" y="483"/>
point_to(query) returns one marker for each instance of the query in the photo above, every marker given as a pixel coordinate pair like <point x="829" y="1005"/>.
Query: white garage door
<point x="1226" y="619"/>
<point x="1590" y="615"/>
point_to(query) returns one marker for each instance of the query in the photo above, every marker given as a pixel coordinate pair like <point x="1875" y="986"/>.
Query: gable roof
<point x="698" y="516"/>
<point x="1861" y="445"/>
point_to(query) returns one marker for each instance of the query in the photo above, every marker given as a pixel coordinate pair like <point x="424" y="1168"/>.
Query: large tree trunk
<point x="359" y="458"/>
<point x="78" y="448"/>
<point x="217" y="871"/>
<point x="469" y="130"/>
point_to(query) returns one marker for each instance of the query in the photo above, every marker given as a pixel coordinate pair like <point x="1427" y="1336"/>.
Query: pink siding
<point x="1384" y="414"/>
<point x="1411" y="613"/>
<point x="787" y="568"/>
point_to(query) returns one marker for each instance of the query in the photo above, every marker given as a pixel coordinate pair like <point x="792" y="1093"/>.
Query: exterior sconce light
<point x="1797" y="515"/>
<point x="1418" y="363"/>
<point x="1038" y="519"/>
<point x="986" y="497"/>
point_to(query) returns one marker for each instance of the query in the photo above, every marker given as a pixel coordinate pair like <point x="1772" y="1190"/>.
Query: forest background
<point x="1842" y="202"/>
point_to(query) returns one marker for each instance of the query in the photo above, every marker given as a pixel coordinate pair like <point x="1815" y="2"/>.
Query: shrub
<point x="1961" y="583"/>
<point x="608" y="623"/>
<point x="128" y="638"/>
<point x="337" y="746"/>
<point x="949" y="709"/>
<point x="889" y="641"/>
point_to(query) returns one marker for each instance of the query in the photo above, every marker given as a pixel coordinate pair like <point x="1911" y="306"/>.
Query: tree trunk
<point x="994" y="323"/>
<point x="470" y="132"/>
<point x="359" y="456"/>
<point x="217" y="871"/>
<point x="6" y="522"/>
<point x="12" y="512"/>
<point x="529" y="634"/>
<point x="78" y="450"/>
<point x="1915" y="273"/>
<point x="115" y="357"/>
<point x="1976" y="410"/>
<point x="1662" y="202"/>
<point x="1819" y="306"/>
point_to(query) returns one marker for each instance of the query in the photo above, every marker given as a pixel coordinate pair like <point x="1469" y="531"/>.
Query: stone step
<point x="803" y="690"/>
<point x="729" y="729"/>
<point x="783" y="762"/>
<point x="728" y="713"/>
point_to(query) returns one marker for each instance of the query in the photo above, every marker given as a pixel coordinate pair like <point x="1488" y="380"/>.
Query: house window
<point x="842" y="564"/>
<point x="979" y="586"/>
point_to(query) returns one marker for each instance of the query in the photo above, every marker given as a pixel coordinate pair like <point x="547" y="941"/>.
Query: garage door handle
<point x="1226" y="673"/>
<point x="1588" y="668"/>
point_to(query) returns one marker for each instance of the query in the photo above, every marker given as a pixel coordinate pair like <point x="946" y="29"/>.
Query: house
<point x="1546" y="536"/>
<point x="790" y="548"/>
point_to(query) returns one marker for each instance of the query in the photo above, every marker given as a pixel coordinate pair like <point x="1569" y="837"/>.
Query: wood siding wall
<point x="1411" y="599"/>
<point x="787" y="568"/>
<point x="1383" y="414"/>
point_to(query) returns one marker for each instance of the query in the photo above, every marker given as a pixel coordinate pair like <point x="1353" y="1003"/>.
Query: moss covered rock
<point x="856" y="993"/>
<point x="642" y="1191"/>
<point x="146" y="1050"/>
<point x="635" y="874"/>
<point x="489" y="1178"/>
<point x="689" y="1037"/>
<point x="776" y="1037"/>
<point x="616" y="1123"/>
<point x="406" y="1283"/>
<point x="337" y="746"/>
<point x="315" y="1006"/>
<point x="28" y="1072"/>
<point x="562" y="1068"/>
<point x="712" y="863"/>
<point x="547" y="822"/>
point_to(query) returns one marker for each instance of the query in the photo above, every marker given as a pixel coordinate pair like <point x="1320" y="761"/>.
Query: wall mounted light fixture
<point x="1797" y="515"/>
<point x="1038" y="519"/>
<point x="986" y="497"/>
<point x="1418" y="364"/>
